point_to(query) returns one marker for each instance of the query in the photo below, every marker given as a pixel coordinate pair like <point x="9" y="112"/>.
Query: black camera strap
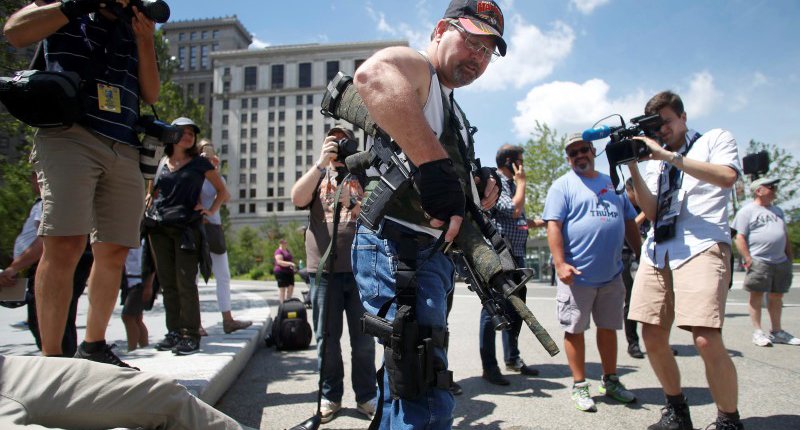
<point x="674" y="181"/>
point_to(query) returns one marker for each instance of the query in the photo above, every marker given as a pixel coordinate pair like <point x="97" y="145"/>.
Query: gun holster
<point x="410" y="353"/>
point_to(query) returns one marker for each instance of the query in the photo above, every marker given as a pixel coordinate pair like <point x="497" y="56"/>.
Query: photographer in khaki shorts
<point x="763" y="243"/>
<point x="89" y="173"/>
<point x="685" y="265"/>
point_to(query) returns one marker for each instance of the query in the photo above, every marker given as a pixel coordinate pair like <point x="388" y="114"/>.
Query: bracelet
<point x="322" y="170"/>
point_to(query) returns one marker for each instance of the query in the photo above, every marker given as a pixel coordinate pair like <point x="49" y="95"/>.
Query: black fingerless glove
<point x="440" y="190"/>
<point x="74" y="9"/>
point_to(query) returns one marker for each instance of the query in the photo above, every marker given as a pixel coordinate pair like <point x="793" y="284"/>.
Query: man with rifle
<point x="409" y="95"/>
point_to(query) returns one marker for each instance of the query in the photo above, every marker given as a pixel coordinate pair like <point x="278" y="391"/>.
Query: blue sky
<point x="573" y="62"/>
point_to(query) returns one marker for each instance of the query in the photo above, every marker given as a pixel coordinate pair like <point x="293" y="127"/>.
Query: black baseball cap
<point x="480" y="17"/>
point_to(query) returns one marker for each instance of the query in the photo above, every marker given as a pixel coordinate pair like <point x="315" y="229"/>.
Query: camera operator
<point x="89" y="173"/>
<point x="316" y="191"/>
<point x="409" y="94"/>
<point x="685" y="264"/>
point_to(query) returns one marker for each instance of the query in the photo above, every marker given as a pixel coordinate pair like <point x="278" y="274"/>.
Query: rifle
<point x="480" y="251"/>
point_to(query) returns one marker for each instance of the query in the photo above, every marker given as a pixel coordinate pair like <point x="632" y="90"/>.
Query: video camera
<point x="622" y="148"/>
<point x="156" y="134"/>
<point x="157" y="10"/>
<point x="756" y="165"/>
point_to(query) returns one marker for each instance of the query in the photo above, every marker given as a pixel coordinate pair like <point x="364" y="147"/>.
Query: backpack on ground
<point x="290" y="328"/>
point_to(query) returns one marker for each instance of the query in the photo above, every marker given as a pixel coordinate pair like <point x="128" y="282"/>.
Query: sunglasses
<point x="574" y="153"/>
<point x="771" y="186"/>
<point x="475" y="46"/>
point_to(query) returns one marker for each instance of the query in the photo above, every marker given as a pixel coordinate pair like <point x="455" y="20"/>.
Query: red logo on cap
<point x="489" y="12"/>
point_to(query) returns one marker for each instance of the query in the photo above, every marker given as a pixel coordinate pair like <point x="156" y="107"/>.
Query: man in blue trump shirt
<point x="586" y="224"/>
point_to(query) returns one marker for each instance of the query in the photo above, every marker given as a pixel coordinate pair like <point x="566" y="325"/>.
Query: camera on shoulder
<point x="622" y="148"/>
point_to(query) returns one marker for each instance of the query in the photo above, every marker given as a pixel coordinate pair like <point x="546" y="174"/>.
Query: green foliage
<point x="250" y="250"/>
<point x="544" y="163"/>
<point x="172" y="103"/>
<point x="782" y="165"/>
<point x="16" y="198"/>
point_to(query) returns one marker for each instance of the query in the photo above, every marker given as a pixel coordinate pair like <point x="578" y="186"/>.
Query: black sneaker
<point x="494" y="376"/>
<point x="634" y="351"/>
<point x="104" y="355"/>
<point x="187" y="346"/>
<point x="456" y="389"/>
<point x="725" y="424"/>
<point x="674" y="417"/>
<point x="169" y="342"/>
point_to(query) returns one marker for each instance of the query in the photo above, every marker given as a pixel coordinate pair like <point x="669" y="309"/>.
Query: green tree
<point x="245" y="251"/>
<point x="544" y="163"/>
<point x="782" y="165"/>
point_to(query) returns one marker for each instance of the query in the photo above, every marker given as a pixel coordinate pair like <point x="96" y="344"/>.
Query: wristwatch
<point x="322" y="170"/>
<point x="676" y="156"/>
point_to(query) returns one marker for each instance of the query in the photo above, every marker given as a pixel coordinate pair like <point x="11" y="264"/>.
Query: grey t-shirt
<point x="765" y="231"/>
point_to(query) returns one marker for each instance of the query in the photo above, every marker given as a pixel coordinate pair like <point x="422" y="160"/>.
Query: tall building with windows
<point x="191" y="43"/>
<point x="268" y="125"/>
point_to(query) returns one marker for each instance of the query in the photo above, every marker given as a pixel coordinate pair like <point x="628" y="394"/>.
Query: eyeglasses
<point x="475" y="46"/>
<point x="575" y="152"/>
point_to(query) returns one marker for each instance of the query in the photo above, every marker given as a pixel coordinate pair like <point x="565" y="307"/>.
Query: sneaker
<point x="674" y="417"/>
<point x="20" y="325"/>
<point x="368" y="408"/>
<point x="583" y="400"/>
<point x="456" y="389"/>
<point x="611" y="387"/>
<point x="328" y="410"/>
<point x="187" y="346"/>
<point x="760" y="339"/>
<point x="781" y="336"/>
<point x="634" y="351"/>
<point x="169" y="342"/>
<point x="725" y="424"/>
<point x="104" y="355"/>
<point x="494" y="376"/>
<point x="231" y="326"/>
<point x="521" y="367"/>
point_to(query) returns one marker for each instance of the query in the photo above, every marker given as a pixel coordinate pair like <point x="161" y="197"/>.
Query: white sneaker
<point x="583" y="400"/>
<point x="760" y="339"/>
<point x="328" y="410"/>
<point x="368" y="408"/>
<point x="783" y="337"/>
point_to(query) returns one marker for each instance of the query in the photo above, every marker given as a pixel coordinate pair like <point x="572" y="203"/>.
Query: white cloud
<point x="417" y="36"/>
<point x="759" y="79"/>
<point x="532" y="55"/>
<point x="588" y="6"/>
<point x="258" y="43"/>
<point x="702" y="97"/>
<point x="571" y="106"/>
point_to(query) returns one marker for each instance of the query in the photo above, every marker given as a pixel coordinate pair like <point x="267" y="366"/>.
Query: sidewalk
<point x="207" y="374"/>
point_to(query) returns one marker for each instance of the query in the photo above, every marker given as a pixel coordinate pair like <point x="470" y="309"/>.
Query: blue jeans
<point x="343" y="299"/>
<point x="375" y="265"/>
<point x="510" y="337"/>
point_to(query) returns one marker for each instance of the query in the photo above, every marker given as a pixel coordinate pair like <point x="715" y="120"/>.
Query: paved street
<point x="278" y="389"/>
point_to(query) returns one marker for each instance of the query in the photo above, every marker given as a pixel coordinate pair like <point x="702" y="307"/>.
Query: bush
<point x="256" y="273"/>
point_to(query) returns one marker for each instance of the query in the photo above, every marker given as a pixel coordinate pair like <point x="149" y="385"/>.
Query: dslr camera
<point x="344" y="148"/>
<point x="622" y="148"/>
<point x="156" y="10"/>
<point x="156" y="134"/>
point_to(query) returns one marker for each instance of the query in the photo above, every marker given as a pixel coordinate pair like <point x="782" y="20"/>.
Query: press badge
<point x="108" y="98"/>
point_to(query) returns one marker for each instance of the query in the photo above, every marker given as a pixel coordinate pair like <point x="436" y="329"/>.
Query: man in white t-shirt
<point x="685" y="265"/>
<point x="763" y="243"/>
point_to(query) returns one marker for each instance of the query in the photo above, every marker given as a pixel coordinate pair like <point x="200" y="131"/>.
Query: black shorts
<point x="284" y="279"/>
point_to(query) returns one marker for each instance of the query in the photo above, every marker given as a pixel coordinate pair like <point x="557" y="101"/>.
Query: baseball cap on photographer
<point x="341" y="127"/>
<point x="763" y="181"/>
<point x="479" y="17"/>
